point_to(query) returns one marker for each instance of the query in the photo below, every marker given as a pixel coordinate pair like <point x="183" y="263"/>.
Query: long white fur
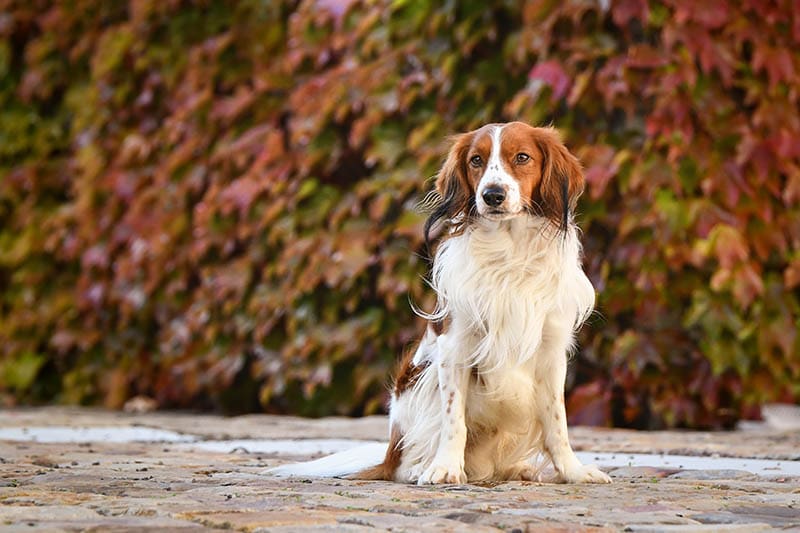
<point x="338" y="464"/>
<point x="508" y="287"/>
<point x="514" y="293"/>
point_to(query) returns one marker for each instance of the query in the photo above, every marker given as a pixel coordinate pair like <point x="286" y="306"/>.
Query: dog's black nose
<point x="494" y="196"/>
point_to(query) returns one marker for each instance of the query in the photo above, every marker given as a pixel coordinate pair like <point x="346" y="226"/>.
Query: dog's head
<point x="501" y="171"/>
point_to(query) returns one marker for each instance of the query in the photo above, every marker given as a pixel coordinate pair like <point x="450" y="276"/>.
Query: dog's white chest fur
<point x="499" y="283"/>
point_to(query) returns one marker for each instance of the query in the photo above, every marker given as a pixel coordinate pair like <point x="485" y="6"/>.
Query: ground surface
<point x="133" y="486"/>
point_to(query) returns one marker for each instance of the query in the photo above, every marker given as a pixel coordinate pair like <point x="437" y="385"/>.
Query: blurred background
<point x="211" y="204"/>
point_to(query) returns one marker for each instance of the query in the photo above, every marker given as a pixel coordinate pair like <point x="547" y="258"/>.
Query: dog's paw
<point x="443" y="473"/>
<point x="585" y="474"/>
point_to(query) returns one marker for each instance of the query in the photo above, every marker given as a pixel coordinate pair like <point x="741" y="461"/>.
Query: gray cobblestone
<point x="105" y="486"/>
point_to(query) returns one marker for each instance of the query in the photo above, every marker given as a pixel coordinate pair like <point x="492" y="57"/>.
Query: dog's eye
<point x="522" y="158"/>
<point x="476" y="161"/>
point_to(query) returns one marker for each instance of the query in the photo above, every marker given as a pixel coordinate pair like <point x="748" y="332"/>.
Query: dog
<point x="482" y="395"/>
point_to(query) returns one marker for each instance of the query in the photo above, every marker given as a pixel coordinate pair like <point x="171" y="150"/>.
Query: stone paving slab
<point x="758" y="441"/>
<point x="102" y="486"/>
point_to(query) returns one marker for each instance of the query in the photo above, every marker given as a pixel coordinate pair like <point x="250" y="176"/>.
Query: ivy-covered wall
<point x="212" y="202"/>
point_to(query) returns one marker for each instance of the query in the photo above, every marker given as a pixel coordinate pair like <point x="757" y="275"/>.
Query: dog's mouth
<point x="498" y="214"/>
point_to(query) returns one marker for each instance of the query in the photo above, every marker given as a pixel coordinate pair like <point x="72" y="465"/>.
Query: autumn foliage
<point x="212" y="203"/>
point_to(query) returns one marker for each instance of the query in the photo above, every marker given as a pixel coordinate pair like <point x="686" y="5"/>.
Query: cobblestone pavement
<point x="172" y="486"/>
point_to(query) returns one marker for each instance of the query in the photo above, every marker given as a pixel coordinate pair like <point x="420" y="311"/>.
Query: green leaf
<point x="20" y="372"/>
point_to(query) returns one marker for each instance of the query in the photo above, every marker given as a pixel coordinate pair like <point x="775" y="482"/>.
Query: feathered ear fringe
<point x="453" y="199"/>
<point x="562" y="180"/>
<point x="454" y="209"/>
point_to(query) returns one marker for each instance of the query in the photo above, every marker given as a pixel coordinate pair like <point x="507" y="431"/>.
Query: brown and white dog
<point x="483" y="394"/>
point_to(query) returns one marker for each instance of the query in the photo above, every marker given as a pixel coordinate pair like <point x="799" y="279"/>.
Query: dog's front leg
<point x="448" y="463"/>
<point x="550" y="379"/>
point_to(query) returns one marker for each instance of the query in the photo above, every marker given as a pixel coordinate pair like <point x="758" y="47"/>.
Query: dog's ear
<point x="562" y="180"/>
<point x="455" y="196"/>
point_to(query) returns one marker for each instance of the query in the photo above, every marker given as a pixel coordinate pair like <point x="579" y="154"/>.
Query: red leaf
<point x="786" y="144"/>
<point x="777" y="62"/>
<point x="622" y="11"/>
<point x="242" y="192"/>
<point x="227" y="109"/>
<point x="601" y="166"/>
<point x="710" y="14"/>
<point x="551" y="73"/>
<point x="645" y="56"/>
<point x="589" y="405"/>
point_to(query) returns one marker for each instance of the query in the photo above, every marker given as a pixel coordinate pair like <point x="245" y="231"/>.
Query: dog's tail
<point x="362" y="462"/>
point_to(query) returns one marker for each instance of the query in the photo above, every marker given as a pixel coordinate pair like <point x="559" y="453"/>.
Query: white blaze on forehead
<point x="496" y="175"/>
<point x="494" y="163"/>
